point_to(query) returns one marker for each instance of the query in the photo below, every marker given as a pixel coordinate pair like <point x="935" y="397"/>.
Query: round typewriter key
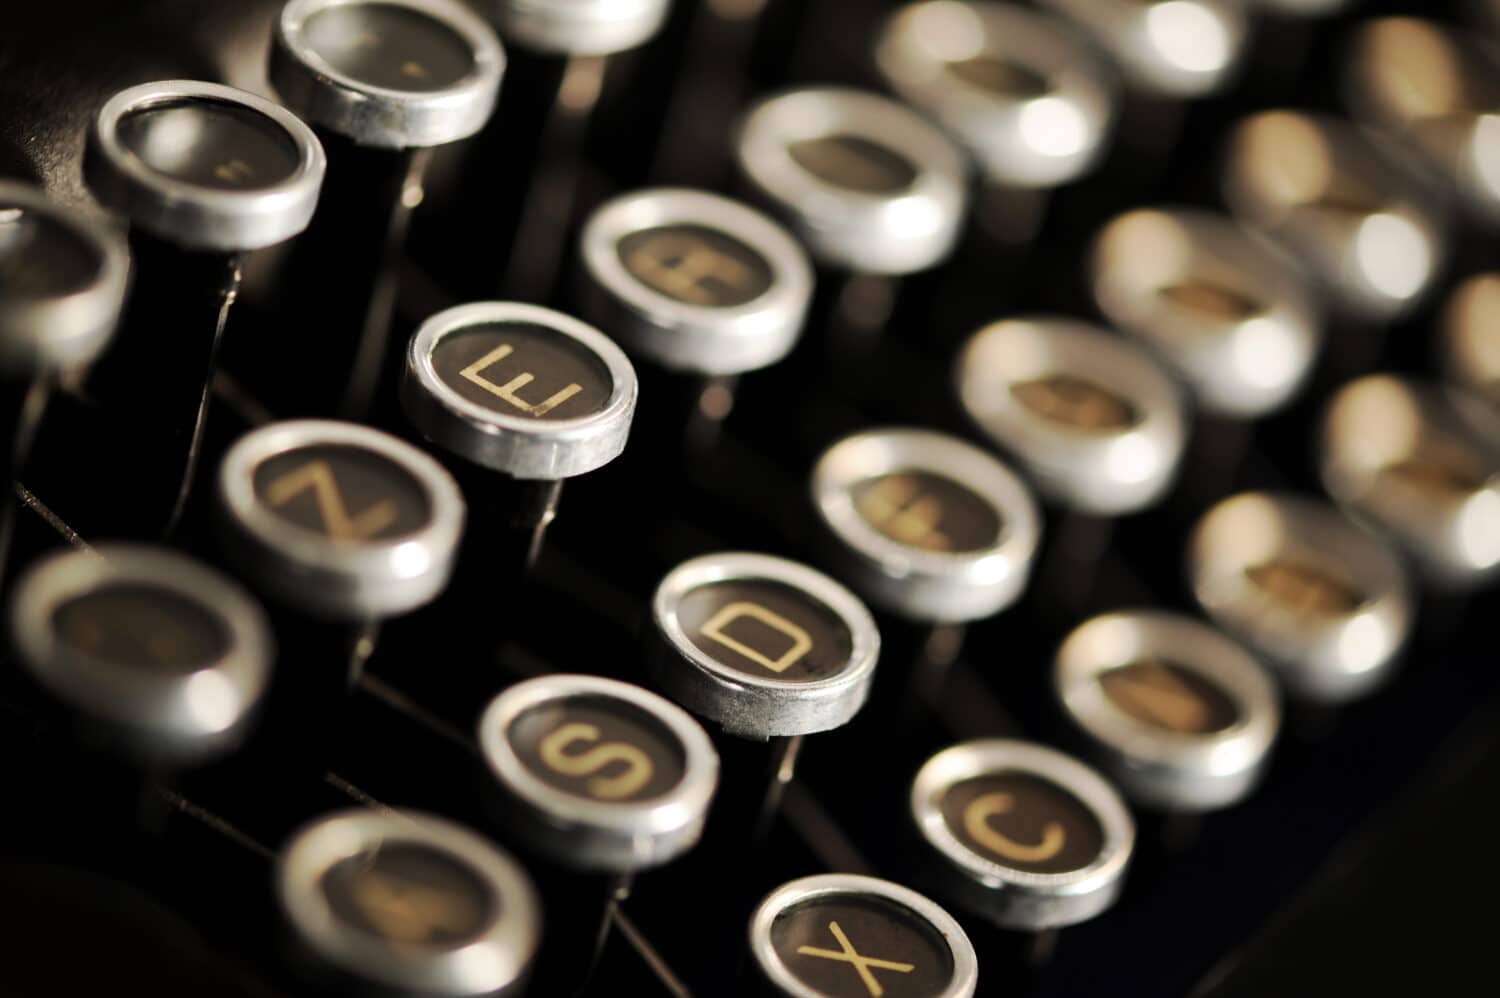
<point x="1224" y="310"/>
<point x="1364" y="227"/>
<point x="401" y="903"/>
<point x="1093" y="421"/>
<point x="838" y="934"/>
<point x="151" y="649"/>
<point x="578" y="27"/>
<point x="865" y="182"/>
<point x="1471" y="340"/>
<point x="1182" y="717"/>
<point x="1326" y="604"/>
<point x="1407" y="457"/>
<point x="1174" y="48"/>
<point x="925" y="525"/>
<point x="1030" y="838"/>
<point x="1434" y="90"/>
<point x="384" y="81"/>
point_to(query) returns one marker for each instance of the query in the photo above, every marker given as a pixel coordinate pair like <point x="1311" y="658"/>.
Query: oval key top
<point x="1225" y="311"/>
<point x="1028" y="837"/>
<point x="1324" y="603"/>
<point x="401" y="903"/>
<point x="1471" y="341"/>
<point x="839" y="935"/>
<point x="1182" y="717"/>
<point x="1174" y="48"/>
<point x="578" y="27"/>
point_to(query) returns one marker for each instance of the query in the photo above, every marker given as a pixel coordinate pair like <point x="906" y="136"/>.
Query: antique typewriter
<point x="749" y="497"/>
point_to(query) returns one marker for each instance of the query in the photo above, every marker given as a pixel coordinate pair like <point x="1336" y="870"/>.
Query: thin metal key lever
<point x="62" y="284"/>
<point x="204" y="173"/>
<point x="401" y="903"/>
<point x="383" y="82"/>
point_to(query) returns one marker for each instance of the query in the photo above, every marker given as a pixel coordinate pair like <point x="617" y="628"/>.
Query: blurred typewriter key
<point x="1324" y="603"/>
<point x="204" y="173"/>
<point x="838" y="935"/>
<point x="383" y="81"/>
<point x="404" y="903"/>
<point x="1471" y="336"/>
<point x="1367" y="229"/>
<point x="62" y="284"/>
<point x="1182" y="718"/>
<point x="696" y="284"/>
<point x="768" y="649"/>
<point x="1026" y="98"/>
<point x="602" y="779"/>
<point x="1406" y="457"/>
<point x="1436" y="91"/>
<point x="1025" y="836"/>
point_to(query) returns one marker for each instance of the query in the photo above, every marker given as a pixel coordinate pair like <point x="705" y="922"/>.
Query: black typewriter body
<point x="1361" y="863"/>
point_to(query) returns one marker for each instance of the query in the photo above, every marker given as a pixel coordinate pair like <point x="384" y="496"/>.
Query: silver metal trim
<point x="590" y="834"/>
<point x="179" y="718"/>
<point x="578" y="27"/>
<point x="193" y="216"/>
<point x="805" y="889"/>
<point x="382" y="116"/>
<point x="371" y="579"/>
<point x="534" y="449"/>
<point x="883" y="234"/>
<point x="678" y="335"/>
<point x="925" y="585"/>
<point x="1013" y="898"/>
<point x="1169" y="769"/>
<point x="39" y="335"/>
<point x="751" y="706"/>
<point x="495" y="963"/>
<point x="1324" y="659"/>
<point x="1242" y="368"/>
<point x="1161" y="46"/>
<point x="1026" y="141"/>
<point x="1099" y="473"/>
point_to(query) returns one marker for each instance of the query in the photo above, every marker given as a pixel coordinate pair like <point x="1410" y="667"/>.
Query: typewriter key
<point x="578" y="27"/>
<point x="1407" y="457"/>
<point x="152" y="650"/>
<point x="1182" y="718"/>
<point x="1026" y="836"/>
<point x="1471" y="336"/>
<point x="204" y="173"/>
<point x="838" y="935"/>
<point x="1363" y="226"/>
<point x="383" y="81"/>
<point x="1094" y="422"/>
<point x="1226" y="311"/>
<point x="402" y="903"/>
<point x="1434" y="90"/>
<point x="1324" y="603"/>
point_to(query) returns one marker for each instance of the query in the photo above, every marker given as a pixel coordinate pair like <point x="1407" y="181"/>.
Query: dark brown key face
<point x="696" y="265"/>
<point x="599" y="748"/>
<point x="209" y="143"/>
<point x="40" y="258"/>
<point x="855" y="163"/>
<point x="856" y="946"/>
<point x="1216" y="303"/>
<point x="1076" y="403"/>
<point x="1438" y="477"/>
<point x="347" y="494"/>
<point x="923" y="510"/>
<point x="1305" y="588"/>
<point x="524" y="370"/>
<point x="407" y="894"/>
<point x="387" y="46"/>
<point x="1023" y="822"/>
<point x="1169" y="696"/>
<point x="1001" y="77"/>
<point x="143" y="627"/>
<point x="766" y="630"/>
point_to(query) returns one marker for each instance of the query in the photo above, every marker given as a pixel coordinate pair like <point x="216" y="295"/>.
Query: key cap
<point x="383" y="82"/>
<point x="402" y="903"/>
<point x="846" y="936"/>
<point x="1407" y="457"/>
<point x="1180" y="716"/>
<point x="597" y="27"/>
<point x="1471" y="336"/>
<point x="204" y="173"/>
<point x="1325" y="604"/>
<point x="1025" y="836"/>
